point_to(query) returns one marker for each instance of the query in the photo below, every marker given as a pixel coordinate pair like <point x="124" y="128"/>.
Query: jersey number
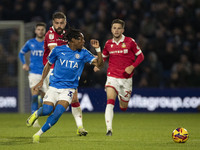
<point x="70" y="94"/>
<point x="127" y="93"/>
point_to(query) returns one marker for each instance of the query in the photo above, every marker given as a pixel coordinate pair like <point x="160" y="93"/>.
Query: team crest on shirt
<point x="123" y="45"/>
<point x="77" y="56"/>
<point x="51" y="36"/>
<point x="111" y="45"/>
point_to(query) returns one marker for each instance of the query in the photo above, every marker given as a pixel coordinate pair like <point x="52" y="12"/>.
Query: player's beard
<point x="59" y="30"/>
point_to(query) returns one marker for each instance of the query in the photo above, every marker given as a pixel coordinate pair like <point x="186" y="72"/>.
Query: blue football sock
<point x="44" y="110"/>
<point x="51" y="120"/>
<point x="34" y="104"/>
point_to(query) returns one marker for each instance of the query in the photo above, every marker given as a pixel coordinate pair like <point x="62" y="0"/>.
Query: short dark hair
<point x="72" y="33"/>
<point x="41" y="24"/>
<point x="59" y="15"/>
<point x="118" y="21"/>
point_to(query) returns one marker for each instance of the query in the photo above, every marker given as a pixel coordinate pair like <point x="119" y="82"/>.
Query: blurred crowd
<point x="167" y="31"/>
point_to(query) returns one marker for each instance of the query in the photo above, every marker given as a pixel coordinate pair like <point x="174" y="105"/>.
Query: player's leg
<point x="34" y="102"/>
<point x="34" y="105"/>
<point x="48" y="104"/>
<point x="109" y="112"/>
<point x="46" y="109"/>
<point x="34" y="79"/>
<point x="77" y="113"/>
<point x="40" y="98"/>
<point x="52" y="119"/>
<point x="124" y="94"/>
<point x="60" y="108"/>
<point x="123" y="105"/>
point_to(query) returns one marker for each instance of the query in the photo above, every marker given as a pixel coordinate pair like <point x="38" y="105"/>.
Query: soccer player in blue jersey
<point x="69" y="62"/>
<point x="35" y="68"/>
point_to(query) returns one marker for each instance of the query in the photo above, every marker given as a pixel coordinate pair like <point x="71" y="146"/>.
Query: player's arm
<point x="139" y="59"/>
<point x="22" y="52"/>
<point x="44" y="74"/>
<point x="99" y="61"/>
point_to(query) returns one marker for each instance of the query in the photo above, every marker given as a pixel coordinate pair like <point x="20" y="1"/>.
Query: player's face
<point x="79" y="42"/>
<point x="40" y="31"/>
<point x="117" y="30"/>
<point x="59" y="25"/>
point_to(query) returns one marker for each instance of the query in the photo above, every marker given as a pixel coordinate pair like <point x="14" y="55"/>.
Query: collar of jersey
<point x="121" y="40"/>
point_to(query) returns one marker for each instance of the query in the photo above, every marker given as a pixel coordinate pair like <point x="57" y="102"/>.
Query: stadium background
<point x="166" y="30"/>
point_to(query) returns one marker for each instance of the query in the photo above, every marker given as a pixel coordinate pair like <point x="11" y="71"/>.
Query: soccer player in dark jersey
<point x="35" y="46"/>
<point x="124" y="56"/>
<point x="69" y="62"/>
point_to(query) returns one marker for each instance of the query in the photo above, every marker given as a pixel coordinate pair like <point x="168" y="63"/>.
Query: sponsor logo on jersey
<point x="51" y="36"/>
<point x="123" y="45"/>
<point x="68" y="63"/>
<point x="77" y="56"/>
<point x="125" y="51"/>
<point x="37" y="53"/>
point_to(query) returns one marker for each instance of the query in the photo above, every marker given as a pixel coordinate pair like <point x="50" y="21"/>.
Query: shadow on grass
<point x="15" y="140"/>
<point x="25" y="140"/>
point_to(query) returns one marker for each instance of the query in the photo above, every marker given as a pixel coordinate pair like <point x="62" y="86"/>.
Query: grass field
<point x="131" y="131"/>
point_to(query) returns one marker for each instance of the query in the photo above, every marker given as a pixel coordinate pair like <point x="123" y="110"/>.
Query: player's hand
<point x="94" y="43"/>
<point x="129" y="69"/>
<point x="25" y="67"/>
<point x="38" y="86"/>
<point x="96" y="69"/>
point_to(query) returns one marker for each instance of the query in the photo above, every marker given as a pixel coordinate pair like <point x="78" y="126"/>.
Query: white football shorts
<point x="34" y="79"/>
<point x="123" y="87"/>
<point x="53" y="95"/>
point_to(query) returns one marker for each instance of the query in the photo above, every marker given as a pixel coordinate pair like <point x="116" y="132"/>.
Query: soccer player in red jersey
<point x="124" y="56"/>
<point x="54" y="37"/>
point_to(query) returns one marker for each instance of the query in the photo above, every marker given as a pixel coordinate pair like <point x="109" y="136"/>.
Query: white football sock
<point x="109" y="114"/>
<point x="40" y="132"/>
<point x="77" y="113"/>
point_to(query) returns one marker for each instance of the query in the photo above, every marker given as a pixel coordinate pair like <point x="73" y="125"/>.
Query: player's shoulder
<point x="49" y="32"/>
<point x="84" y="50"/>
<point x="110" y="41"/>
<point x="129" y="39"/>
<point x="61" y="47"/>
<point x="31" y="41"/>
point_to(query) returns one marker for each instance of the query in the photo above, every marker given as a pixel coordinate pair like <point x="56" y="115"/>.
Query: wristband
<point x="98" y="49"/>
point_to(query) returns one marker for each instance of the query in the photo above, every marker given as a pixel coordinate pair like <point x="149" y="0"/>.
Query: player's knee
<point x="47" y="109"/>
<point x="123" y="109"/>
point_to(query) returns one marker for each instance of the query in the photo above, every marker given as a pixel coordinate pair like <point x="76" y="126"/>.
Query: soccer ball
<point x="180" y="135"/>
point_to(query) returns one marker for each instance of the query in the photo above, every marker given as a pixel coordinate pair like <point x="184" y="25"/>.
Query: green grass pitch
<point x="131" y="131"/>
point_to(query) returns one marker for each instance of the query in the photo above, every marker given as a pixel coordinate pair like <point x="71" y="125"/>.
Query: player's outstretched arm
<point x="44" y="74"/>
<point x="99" y="61"/>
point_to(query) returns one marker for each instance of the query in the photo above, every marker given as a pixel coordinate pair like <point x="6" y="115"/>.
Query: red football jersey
<point x="52" y="38"/>
<point x="121" y="55"/>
